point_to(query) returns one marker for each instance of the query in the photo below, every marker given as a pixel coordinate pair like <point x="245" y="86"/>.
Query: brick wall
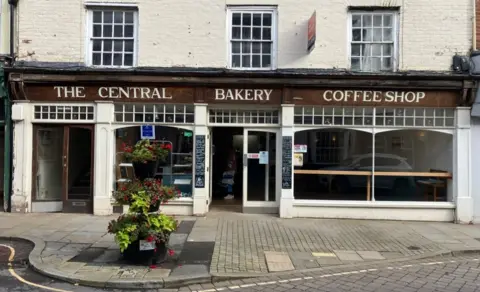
<point x="193" y="32"/>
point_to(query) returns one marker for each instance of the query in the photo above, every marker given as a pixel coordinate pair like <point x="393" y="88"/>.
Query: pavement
<point x="229" y="246"/>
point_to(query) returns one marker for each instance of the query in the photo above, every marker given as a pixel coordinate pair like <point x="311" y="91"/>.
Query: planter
<point x="145" y="170"/>
<point x="134" y="255"/>
<point x="154" y="208"/>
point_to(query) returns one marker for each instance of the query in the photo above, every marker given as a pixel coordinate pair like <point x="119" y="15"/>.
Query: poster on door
<point x="297" y="159"/>
<point x="263" y="157"/>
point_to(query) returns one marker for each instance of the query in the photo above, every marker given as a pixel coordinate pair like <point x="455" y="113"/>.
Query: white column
<point x="22" y="157"/>
<point x="200" y="194"/>
<point x="104" y="152"/>
<point x="286" y="198"/>
<point x="462" y="167"/>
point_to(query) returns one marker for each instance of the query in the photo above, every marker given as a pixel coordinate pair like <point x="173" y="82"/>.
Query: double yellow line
<point x="15" y="275"/>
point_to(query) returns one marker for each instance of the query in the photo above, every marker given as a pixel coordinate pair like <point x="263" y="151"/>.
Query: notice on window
<point x="298" y="159"/>
<point x="300" y="148"/>
<point x="147" y="132"/>
<point x="263" y="159"/>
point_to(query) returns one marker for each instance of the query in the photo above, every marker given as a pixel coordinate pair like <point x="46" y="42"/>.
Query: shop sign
<point x="243" y="95"/>
<point x="312" y="32"/>
<point x="147" y="132"/>
<point x="300" y="148"/>
<point x="113" y="93"/>
<point x="345" y="97"/>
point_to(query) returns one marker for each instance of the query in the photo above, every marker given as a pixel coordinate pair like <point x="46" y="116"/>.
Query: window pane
<point x="376" y="50"/>
<point x="356" y="35"/>
<point x="257" y="19"/>
<point x="236" y="47"/>
<point x="356" y="20"/>
<point x="128" y="31"/>
<point x="128" y="46"/>
<point x="236" y="19"/>
<point x="128" y="59"/>
<point x="367" y="34"/>
<point x="377" y="20"/>
<point x="246" y="47"/>
<point x="246" y="61"/>
<point x="366" y="50"/>
<point x="246" y="19"/>
<point x="387" y="63"/>
<point x="97" y="45"/>
<point x="107" y="31"/>
<point x="387" y="50"/>
<point x="97" y="17"/>
<point x="267" y="34"/>
<point x="236" y="32"/>
<point x="266" y="48"/>
<point x="257" y="33"/>
<point x="246" y="33"/>
<point x="256" y="47"/>
<point x="377" y="34"/>
<point x="128" y="17"/>
<point x="97" y="59"/>
<point x="118" y="17"/>
<point x="376" y="64"/>
<point x="107" y="45"/>
<point x="118" y="32"/>
<point x="117" y="59"/>
<point x="356" y="51"/>
<point x="97" y="30"/>
<point x="266" y="61"/>
<point x="236" y="61"/>
<point x="267" y="19"/>
<point x="108" y="17"/>
<point x="367" y="20"/>
<point x="387" y="34"/>
<point x="356" y="64"/>
<point x="107" y="59"/>
<point x="118" y="46"/>
<point x="387" y="20"/>
<point x="256" y="61"/>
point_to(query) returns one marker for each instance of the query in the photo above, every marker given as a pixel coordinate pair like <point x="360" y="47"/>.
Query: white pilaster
<point x="22" y="157"/>
<point x="104" y="161"/>
<point x="200" y="195"/>
<point x="286" y="198"/>
<point x="462" y="167"/>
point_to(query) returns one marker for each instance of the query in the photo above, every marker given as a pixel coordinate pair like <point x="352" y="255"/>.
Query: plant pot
<point x="145" y="170"/>
<point x="134" y="255"/>
<point x="154" y="208"/>
<point x="162" y="162"/>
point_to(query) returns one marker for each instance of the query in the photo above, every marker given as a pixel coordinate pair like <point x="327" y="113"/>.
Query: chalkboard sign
<point x="200" y="161"/>
<point x="287" y="162"/>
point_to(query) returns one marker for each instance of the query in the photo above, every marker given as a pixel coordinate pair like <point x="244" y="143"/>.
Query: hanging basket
<point x="145" y="170"/>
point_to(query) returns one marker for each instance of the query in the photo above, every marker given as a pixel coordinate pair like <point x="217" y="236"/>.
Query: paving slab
<point x="189" y="270"/>
<point x="347" y="255"/>
<point x="370" y="255"/>
<point x="278" y="261"/>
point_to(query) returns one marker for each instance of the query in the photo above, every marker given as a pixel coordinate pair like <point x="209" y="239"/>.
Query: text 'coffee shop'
<point x="342" y="150"/>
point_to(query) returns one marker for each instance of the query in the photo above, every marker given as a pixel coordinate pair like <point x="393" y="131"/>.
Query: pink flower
<point x="150" y="238"/>
<point x="153" y="266"/>
<point x="171" y="252"/>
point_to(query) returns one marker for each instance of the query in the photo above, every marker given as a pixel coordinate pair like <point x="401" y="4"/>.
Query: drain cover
<point x="413" y="247"/>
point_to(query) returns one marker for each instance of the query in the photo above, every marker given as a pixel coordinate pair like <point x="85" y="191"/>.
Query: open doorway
<point x="227" y="160"/>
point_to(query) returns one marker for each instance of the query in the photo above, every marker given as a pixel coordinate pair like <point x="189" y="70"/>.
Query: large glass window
<point x="403" y="165"/>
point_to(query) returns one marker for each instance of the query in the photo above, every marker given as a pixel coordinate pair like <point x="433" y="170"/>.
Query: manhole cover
<point x="413" y="247"/>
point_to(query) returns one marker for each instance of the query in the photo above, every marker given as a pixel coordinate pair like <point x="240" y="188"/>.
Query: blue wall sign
<point x="147" y="132"/>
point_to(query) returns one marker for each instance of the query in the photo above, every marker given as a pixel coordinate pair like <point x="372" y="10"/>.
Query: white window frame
<point x="274" y="32"/>
<point x="395" y="34"/>
<point x="90" y="6"/>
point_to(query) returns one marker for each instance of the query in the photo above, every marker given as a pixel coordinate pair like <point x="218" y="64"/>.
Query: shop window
<point x="112" y="36"/>
<point x="63" y="112"/>
<point x="252" y="37"/>
<point x="176" y="171"/>
<point x="373" y="40"/>
<point x="398" y="165"/>
<point x="221" y="116"/>
<point x="154" y="113"/>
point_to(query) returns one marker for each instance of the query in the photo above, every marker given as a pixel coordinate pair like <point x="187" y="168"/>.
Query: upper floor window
<point x="252" y="37"/>
<point x="373" y="41"/>
<point x="112" y="36"/>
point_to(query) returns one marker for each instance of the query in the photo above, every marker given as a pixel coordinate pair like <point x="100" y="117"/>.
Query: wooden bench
<point x="432" y="185"/>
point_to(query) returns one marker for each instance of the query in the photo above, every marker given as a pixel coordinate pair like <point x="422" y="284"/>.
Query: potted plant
<point x="153" y="188"/>
<point x="145" y="156"/>
<point x="142" y="235"/>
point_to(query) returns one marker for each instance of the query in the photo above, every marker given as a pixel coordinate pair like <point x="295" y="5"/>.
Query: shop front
<point x="298" y="147"/>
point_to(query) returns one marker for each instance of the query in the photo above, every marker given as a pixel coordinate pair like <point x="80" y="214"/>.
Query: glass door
<point x="260" y="171"/>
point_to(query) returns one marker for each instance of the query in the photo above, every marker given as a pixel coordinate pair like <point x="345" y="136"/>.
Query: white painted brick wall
<point x="192" y="33"/>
